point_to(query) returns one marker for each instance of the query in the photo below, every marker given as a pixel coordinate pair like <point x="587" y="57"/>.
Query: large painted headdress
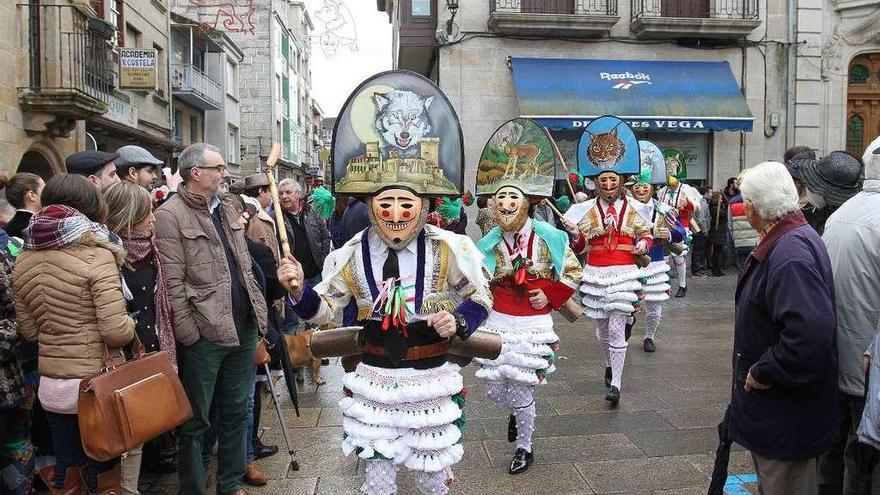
<point x="397" y="129"/>
<point x="519" y="154"/>
<point x="652" y="168"/>
<point x="608" y="145"/>
<point x="676" y="165"/>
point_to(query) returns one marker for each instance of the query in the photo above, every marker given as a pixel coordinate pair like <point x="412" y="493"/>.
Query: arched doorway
<point x="36" y="163"/>
<point x="863" y="102"/>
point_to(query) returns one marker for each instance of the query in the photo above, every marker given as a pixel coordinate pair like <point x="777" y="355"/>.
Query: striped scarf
<point x="57" y="226"/>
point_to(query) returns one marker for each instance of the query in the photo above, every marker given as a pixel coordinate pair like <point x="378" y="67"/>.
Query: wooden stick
<point x="564" y="166"/>
<point x="273" y="191"/>
<point x="553" y="207"/>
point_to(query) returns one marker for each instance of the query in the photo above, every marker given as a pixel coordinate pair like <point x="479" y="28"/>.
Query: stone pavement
<point x="661" y="438"/>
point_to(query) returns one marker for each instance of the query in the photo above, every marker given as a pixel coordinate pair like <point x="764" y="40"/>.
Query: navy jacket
<point x="786" y="334"/>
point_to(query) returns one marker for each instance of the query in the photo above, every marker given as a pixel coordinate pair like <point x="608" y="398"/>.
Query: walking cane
<point x="293" y="465"/>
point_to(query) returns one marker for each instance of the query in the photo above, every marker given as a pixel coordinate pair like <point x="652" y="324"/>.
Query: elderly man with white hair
<point x="308" y="236"/>
<point x="852" y="236"/>
<point x="784" y="401"/>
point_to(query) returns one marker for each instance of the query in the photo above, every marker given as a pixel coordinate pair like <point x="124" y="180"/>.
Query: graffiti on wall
<point x="232" y="16"/>
<point x="339" y="30"/>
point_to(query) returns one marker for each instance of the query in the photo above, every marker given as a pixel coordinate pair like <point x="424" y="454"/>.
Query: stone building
<point x="656" y="63"/>
<point x="136" y="116"/>
<point x="57" y="73"/>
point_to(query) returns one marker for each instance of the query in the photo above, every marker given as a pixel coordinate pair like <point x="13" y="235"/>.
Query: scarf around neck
<point x="140" y="246"/>
<point x="57" y="226"/>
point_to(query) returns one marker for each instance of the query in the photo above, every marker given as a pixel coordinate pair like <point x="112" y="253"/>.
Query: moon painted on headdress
<point x="363" y="113"/>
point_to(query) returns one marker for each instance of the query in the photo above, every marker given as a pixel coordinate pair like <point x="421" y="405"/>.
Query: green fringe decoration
<point x="460" y="422"/>
<point x="323" y="202"/>
<point x="450" y="209"/>
<point x="541" y="373"/>
<point x="552" y="358"/>
<point x="562" y="203"/>
<point x="376" y="456"/>
<point x="459" y="400"/>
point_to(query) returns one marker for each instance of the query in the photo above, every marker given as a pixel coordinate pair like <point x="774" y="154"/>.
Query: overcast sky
<point x="335" y="77"/>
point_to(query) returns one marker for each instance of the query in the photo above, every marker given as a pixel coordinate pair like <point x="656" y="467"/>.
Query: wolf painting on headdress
<point x="402" y="120"/>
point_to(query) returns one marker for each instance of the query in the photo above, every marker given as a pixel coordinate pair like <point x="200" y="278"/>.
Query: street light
<point x="452" y="6"/>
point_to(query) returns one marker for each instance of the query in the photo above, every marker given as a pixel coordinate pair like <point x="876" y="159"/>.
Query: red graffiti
<point x="234" y="15"/>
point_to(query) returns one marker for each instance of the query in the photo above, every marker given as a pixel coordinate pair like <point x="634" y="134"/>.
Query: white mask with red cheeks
<point x="642" y="192"/>
<point x="511" y="208"/>
<point x="399" y="215"/>
<point x="608" y="186"/>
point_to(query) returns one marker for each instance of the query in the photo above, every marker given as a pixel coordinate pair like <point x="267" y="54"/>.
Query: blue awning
<point x="649" y="95"/>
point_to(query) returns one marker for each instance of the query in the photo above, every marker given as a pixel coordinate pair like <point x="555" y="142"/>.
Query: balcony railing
<point x="570" y="7"/>
<point x="696" y="9"/>
<point x="195" y="87"/>
<point x="71" y="73"/>
<point x="701" y="19"/>
<point x="569" y="18"/>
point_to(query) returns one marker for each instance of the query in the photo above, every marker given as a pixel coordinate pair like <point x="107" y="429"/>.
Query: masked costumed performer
<point x="612" y="233"/>
<point x="415" y="285"/>
<point x="534" y="272"/>
<point x="685" y="199"/>
<point x="665" y="228"/>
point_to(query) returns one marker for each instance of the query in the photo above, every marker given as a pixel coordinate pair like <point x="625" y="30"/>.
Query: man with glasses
<point x="218" y="313"/>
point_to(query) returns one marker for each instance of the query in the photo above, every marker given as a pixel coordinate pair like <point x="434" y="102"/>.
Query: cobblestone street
<point x="661" y="439"/>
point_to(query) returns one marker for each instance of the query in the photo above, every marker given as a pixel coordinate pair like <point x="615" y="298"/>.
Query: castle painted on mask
<point x="421" y="173"/>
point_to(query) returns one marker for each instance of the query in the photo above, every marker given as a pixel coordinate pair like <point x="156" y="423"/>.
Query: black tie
<point x="393" y="339"/>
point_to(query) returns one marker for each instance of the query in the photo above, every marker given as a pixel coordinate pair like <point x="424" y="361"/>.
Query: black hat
<point x="88" y="162"/>
<point x="837" y="176"/>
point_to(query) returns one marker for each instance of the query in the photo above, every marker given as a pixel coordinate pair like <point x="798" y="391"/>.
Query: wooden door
<point x="684" y="8"/>
<point x="863" y="102"/>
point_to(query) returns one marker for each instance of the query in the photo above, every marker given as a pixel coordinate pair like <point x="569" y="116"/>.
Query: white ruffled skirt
<point x="528" y="349"/>
<point x="655" y="281"/>
<point x="408" y="416"/>
<point x="610" y="288"/>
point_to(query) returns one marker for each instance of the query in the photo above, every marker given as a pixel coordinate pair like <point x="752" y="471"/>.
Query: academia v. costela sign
<point x="138" y="68"/>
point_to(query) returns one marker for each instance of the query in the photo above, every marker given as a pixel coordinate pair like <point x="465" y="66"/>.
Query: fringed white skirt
<point x="528" y="349"/>
<point x="408" y="416"/>
<point x="610" y="288"/>
<point x="655" y="281"/>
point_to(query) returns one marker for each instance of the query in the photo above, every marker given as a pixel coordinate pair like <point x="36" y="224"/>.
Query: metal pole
<point x="294" y="465"/>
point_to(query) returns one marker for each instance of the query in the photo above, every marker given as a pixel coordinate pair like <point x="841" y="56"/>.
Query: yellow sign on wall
<point x="138" y="68"/>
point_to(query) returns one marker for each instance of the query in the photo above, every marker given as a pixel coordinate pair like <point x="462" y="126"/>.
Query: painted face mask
<point x="399" y="215"/>
<point x="511" y="208"/>
<point x="608" y="186"/>
<point x="642" y="192"/>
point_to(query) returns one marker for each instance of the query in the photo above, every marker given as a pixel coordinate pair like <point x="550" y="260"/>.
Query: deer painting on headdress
<point x="507" y="139"/>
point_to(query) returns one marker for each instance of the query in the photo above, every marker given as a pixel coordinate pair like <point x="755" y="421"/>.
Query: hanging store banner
<point x="138" y="68"/>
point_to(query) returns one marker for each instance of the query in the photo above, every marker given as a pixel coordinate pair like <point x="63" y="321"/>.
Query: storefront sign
<point x="121" y="112"/>
<point x="670" y="125"/>
<point x="138" y="68"/>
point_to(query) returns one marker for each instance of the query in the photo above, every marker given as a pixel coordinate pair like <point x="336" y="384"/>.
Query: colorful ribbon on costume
<point x="391" y="303"/>
<point x="610" y="228"/>
<point x="519" y="253"/>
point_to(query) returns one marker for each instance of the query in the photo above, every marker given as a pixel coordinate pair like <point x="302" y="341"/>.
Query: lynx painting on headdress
<point x="507" y="140"/>
<point x="606" y="149"/>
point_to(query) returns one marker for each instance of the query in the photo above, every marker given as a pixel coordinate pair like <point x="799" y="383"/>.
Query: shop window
<point x="859" y="74"/>
<point x="855" y="133"/>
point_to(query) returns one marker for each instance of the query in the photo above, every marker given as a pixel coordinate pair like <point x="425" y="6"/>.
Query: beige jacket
<point x="70" y="300"/>
<point x="197" y="272"/>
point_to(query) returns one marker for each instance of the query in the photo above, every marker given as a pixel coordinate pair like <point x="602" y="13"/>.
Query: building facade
<point x="485" y="56"/>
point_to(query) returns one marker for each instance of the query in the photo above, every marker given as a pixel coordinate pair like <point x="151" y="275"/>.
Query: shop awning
<point x="650" y="95"/>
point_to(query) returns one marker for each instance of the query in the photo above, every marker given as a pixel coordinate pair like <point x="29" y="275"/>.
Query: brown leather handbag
<point x="124" y="406"/>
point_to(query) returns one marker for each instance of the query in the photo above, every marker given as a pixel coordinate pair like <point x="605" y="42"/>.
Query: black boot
<point x="521" y="461"/>
<point x="607" y="376"/>
<point x="628" y="328"/>
<point x="261" y="451"/>
<point x="613" y="396"/>
<point x="682" y="291"/>
<point x="649" y="345"/>
<point x="511" y="429"/>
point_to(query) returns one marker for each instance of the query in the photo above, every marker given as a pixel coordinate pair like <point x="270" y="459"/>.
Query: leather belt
<point x="413" y="353"/>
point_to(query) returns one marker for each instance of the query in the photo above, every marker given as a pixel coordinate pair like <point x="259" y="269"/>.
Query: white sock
<point x="653" y="311"/>
<point x="617" y="346"/>
<point x="522" y="406"/>
<point x="381" y="478"/>
<point x="432" y="483"/>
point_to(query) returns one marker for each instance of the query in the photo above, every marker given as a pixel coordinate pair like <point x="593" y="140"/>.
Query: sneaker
<point x="682" y="291"/>
<point x="613" y="396"/>
<point x="649" y="345"/>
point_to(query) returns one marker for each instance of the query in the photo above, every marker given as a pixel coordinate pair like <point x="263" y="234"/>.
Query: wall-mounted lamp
<point x="452" y="6"/>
